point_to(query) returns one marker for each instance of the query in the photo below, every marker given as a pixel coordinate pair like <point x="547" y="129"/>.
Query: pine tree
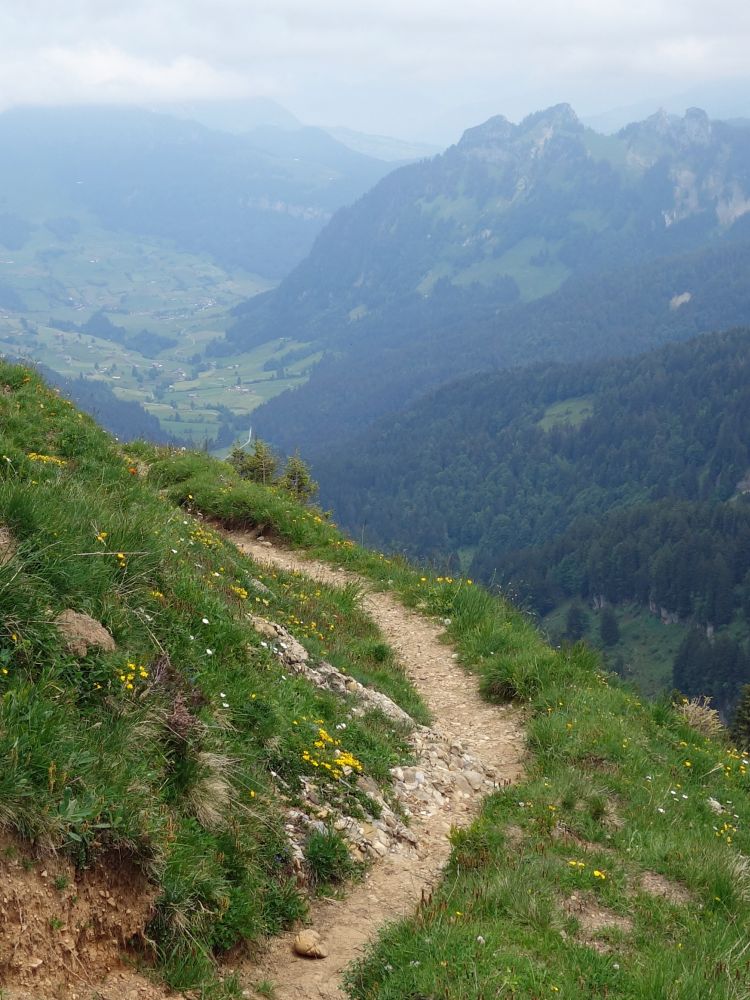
<point x="297" y="479"/>
<point x="740" y="728"/>
<point x="577" y="622"/>
<point x="609" y="630"/>
<point x="260" y="465"/>
<point x="692" y="664"/>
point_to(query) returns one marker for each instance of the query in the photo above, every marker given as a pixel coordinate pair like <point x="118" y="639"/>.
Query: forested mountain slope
<point x="611" y="483"/>
<point x="516" y="244"/>
<point x="511" y="459"/>
<point x="623" y="312"/>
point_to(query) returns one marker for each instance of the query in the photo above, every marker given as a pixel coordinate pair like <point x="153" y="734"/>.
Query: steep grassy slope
<point x="619" y="867"/>
<point x="173" y="747"/>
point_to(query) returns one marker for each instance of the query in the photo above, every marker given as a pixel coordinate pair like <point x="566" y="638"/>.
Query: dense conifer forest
<point x="612" y="482"/>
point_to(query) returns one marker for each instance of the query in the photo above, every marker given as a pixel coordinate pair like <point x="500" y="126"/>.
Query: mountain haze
<point x="126" y="237"/>
<point x="496" y="252"/>
<point x="255" y="203"/>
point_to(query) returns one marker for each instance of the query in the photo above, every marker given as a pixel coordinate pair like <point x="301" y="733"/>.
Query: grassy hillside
<point x="618" y="867"/>
<point x="174" y="747"/>
<point x="645" y="651"/>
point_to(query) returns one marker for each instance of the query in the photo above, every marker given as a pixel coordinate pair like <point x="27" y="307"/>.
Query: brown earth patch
<point x="593" y="919"/>
<point x="592" y="762"/>
<point x="81" y="631"/>
<point x="63" y="932"/>
<point x="514" y="835"/>
<point x="611" y="820"/>
<point x="7" y="545"/>
<point x="657" y="885"/>
<point x="563" y="834"/>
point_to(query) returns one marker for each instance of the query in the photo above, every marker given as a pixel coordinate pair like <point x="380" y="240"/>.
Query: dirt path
<point x="491" y="734"/>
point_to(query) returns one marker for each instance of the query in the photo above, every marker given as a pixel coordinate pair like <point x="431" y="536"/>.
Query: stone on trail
<point x="308" y="944"/>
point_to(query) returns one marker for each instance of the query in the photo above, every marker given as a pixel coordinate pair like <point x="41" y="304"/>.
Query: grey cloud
<point x="402" y="57"/>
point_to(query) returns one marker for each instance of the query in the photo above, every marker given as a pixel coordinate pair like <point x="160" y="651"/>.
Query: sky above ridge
<point x="420" y="69"/>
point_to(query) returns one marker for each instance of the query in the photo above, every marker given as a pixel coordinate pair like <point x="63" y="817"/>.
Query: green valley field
<point x="140" y="285"/>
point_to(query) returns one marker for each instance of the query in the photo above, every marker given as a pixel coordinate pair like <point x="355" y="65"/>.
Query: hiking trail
<point x="392" y="888"/>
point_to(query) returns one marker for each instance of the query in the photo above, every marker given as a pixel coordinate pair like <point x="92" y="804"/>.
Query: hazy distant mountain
<point x="449" y="264"/>
<point x="611" y="121"/>
<point x="515" y="210"/>
<point x="257" y="114"/>
<point x="384" y="147"/>
<point x="315" y="147"/>
<point x="252" y="201"/>
<point x="722" y="101"/>
<point x="241" y="115"/>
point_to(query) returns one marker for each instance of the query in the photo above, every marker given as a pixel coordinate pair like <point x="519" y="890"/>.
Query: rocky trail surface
<point x="471" y="748"/>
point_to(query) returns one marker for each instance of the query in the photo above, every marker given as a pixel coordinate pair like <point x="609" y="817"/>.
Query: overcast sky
<point x="413" y="68"/>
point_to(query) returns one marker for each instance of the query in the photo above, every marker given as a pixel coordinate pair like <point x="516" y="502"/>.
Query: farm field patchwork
<point x="51" y="287"/>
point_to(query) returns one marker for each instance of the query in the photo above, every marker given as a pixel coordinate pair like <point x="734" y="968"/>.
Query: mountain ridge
<point x="248" y="205"/>
<point x="463" y="249"/>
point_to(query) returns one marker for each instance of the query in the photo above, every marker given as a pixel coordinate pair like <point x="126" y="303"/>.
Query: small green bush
<point x="328" y="858"/>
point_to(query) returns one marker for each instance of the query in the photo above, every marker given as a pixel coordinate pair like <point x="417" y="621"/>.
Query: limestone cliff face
<point x="700" y="159"/>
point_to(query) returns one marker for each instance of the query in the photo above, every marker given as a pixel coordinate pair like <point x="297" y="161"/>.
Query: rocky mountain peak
<point x="496" y="130"/>
<point x="693" y="129"/>
<point x="697" y="126"/>
<point x="560" y="117"/>
<point x="496" y="138"/>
